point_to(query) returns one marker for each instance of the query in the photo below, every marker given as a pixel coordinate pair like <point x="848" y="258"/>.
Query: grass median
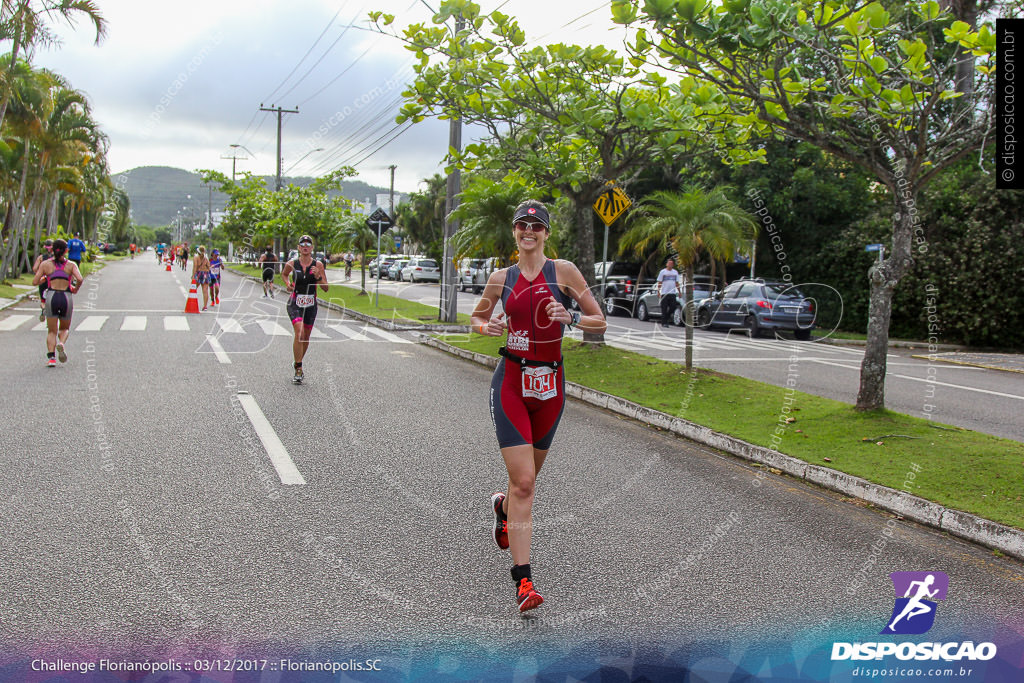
<point x="954" y="467"/>
<point x="394" y="309"/>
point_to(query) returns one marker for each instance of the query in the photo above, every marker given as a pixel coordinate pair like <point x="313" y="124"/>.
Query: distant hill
<point x="158" y="193"/>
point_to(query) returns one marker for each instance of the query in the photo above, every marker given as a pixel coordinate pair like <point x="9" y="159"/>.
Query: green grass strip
<point x="959" y="468"/>
<point x="398" y="311"/>
<point x="9" y="292"/>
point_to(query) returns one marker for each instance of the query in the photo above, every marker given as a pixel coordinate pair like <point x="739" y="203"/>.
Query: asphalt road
<point x="144" y="517"/>
<point x="990" y="401"/>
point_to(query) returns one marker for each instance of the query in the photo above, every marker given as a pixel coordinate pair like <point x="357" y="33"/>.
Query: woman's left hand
<point x="557" y="312"/>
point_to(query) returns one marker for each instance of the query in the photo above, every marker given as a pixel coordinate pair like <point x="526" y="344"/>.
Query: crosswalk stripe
<point x="92" y="323"/>
<point x="317" y="334"/>
<point x="349" y="332"/>
<point x="13" y="322"/>
<point x="384" y="334"/>
<point x="273" y="329"/>
<point x="230" y="325"/>
<point x="134" y="323"/>
<point x="176" y="323"/>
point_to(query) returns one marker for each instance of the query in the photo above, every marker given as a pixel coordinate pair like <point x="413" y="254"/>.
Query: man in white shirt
<point x="668" y="286"/>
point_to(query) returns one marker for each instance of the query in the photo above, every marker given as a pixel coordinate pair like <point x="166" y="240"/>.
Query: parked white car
<point x="419" y="269"/>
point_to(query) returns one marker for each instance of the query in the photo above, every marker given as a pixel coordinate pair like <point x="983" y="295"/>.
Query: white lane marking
<point x="183" y="292"/>
<point x="176" y="323"/>
<point x="41" y="327"/>
<point x="13" y="322"/>
<point x="649" y="344"/>
<point x="92" y="323"/>
<point x="384" y="334"/>
<point x="927" y="381"/>
<point x="273" y="329"/>
<point x="230" y="325"/>
<point x="282" y="462"/>
<point x="134" y="323"/>
<point x="218" y="350"/>
<point x="317" y="334"/>
<point x="348" y="332"/>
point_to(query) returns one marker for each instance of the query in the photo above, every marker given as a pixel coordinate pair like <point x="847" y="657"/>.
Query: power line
<point x="317" y="62"/>
<point x="343" y="72"/>
<point x="299" y="63"/>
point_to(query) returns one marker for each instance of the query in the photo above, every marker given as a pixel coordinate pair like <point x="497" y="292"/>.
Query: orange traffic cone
<point x="192" y="303"/>
<point x="168" y="265"/>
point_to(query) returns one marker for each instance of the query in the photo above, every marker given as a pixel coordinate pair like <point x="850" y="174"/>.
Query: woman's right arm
<point x="481" y="319"/>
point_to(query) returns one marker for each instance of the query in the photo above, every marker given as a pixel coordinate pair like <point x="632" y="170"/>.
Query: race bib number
<point x="305" y="300"/>
<point x="539" y="382"/>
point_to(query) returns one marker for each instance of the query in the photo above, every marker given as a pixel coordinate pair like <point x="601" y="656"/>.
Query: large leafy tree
<point x="686" y="224"/>
<point x="569" y="118"/>
<point x="875" y="86"/>
<point x="257" y="214"/>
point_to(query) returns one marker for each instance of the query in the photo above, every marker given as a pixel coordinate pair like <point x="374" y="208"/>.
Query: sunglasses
<point x="305" y="244"/>
<point x="531" y="226"/>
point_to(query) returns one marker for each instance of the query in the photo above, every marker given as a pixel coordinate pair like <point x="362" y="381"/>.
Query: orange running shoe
<point x="500" y="521"/>
<point x="527" y="597"/>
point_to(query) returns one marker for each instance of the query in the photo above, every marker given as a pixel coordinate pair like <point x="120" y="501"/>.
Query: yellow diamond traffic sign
<point x="612" y="203"/>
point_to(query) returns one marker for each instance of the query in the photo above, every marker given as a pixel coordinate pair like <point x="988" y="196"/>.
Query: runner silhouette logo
<point x="916" y="596"/>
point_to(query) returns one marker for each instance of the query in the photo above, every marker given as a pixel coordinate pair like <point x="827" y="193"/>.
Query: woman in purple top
<point x="62" y="278"/>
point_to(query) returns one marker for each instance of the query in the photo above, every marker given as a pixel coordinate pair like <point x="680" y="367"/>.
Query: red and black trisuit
<point x="528" y="386"/>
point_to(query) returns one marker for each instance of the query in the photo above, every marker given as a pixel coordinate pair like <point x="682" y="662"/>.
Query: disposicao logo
<point x="916" y="593"/>
<point x="914" y="614"/>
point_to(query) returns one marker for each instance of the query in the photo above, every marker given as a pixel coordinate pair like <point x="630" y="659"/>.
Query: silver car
<point x="649" y="305"/>
<point x="419" y="269"/>
<point x="472" y="274"/>
<point x="395" y="270"/>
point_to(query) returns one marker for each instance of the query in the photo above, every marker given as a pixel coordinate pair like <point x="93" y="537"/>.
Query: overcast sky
<point x="176" y="84"/>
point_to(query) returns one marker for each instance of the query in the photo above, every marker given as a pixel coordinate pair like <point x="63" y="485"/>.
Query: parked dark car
<point x="649" y="305"/>
<point x="758" y="305"/>
<point x="623" y="287"/>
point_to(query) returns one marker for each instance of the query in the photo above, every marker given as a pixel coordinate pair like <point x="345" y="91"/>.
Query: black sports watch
<point x="575" y="319"/>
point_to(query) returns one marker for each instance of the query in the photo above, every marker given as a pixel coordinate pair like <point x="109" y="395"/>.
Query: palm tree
<point x="24" y="23"/>
<point x="358" y="236"/>
<point x="687" y="223"/>
<point x="485" y="209"/>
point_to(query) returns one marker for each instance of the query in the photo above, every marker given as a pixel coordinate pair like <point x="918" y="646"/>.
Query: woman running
<point x="201" y="273"/>
<point x="528" y="386"/>
<point x="302" y="304"/>
<point x="215" y="265"/>
<point x="62" y="278"/>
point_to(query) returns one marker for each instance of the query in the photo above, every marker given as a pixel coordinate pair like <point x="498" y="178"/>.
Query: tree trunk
<point x="688" y="313"/>
<point x="585" y="241"/>
<point x="883" y="278"/>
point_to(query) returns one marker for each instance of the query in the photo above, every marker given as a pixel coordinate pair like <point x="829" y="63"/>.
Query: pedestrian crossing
<point x="725" y="347"/>
<point x="221" y="326"/>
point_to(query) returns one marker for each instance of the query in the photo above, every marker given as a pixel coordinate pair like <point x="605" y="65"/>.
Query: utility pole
<point x="279" y="111"/>
<point x="277" y="186"/>
<point x="391" y="195"/>
<point x="453" y="187"/>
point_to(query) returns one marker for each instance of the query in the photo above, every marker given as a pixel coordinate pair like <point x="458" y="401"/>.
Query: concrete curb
<point x="966" y="363"/>
<point x="363" y="317"/>
<point x="970" y="527"/>
<point x="894" y="344"/>
<point x="16" y="300"/>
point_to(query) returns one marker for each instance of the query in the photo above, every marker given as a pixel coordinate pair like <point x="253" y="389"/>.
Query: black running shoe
<point x="500" y="521"/>
<point x="297" y="379"/>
